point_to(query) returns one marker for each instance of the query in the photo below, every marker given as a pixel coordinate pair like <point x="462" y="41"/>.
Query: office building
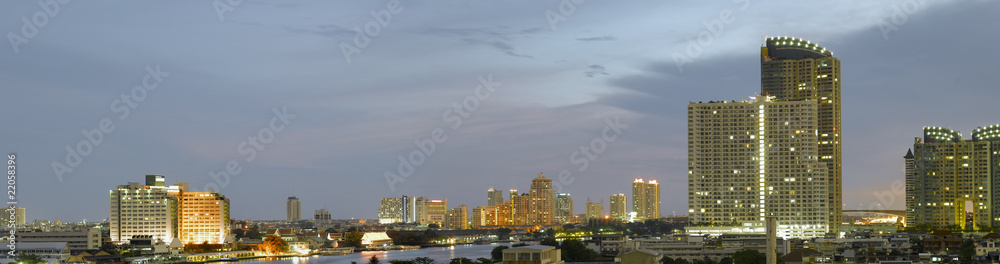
<point x="436" y="211"/>
<point x="793" y="69"/>
<point x="564" y="208"/>
<point x="322" y="215"/>
<point x="619" y="210"/>
<point x="390" y="210"/>
<point x="754" y="159"/>
<point x="494" y="197"/>
<point x="293" y="209"/>
<point x="646" y="199"/>
<point x="948" y="176"/>
<point x="542" y="205"/>
<point x="415" y="210"/>
<point x="162" y="212"/>
<point x="594" y="210"/>
<point x="457" y="218"/>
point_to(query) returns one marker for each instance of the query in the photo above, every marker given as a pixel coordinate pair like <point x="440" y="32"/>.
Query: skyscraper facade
<point x="646" y="199"/>
<point x="618" y="208"/>
<point x="293" y="209"/>
<point x="754" y="159"/>
<point x="793" y="69"/>
<point x="542" y="201"/>
<point x="564" y="208"/>
<point x="494" y="197"/>
<point x="321" y="215"/>
<point x="948" y="176"/>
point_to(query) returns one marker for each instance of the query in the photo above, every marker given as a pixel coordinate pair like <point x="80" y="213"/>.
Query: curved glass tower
<point x="793" y="69"/>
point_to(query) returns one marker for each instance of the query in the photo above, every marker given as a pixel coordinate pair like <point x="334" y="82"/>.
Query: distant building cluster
<point x="409" y="209"/>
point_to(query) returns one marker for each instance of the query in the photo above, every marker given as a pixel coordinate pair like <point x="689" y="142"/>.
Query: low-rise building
<point x="77" y="240"/>
<point x="536" y="254"/>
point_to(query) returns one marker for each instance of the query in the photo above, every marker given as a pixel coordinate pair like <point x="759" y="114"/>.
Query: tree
<point x="373" y="260"/>
<point x="497" y="253"/>
<point x="423" y="260"/>
<point x="503" y="233"/>
<point x="461" y="261"/>
<point x="749" y="256"/>
<point x="353" y="239"/>
<point x="29" y="259"/>
<point x="485" y="260"/>
<point x="433" y="226"/>
<point x="568" y="226"/>
<point x="968" y="250"/>
<point x="401" y="262"/>
<point x="574" y="251"/>
<point x="726" y="260"/>
<point x="273" y="245"/>
<point x="550" y="242"/>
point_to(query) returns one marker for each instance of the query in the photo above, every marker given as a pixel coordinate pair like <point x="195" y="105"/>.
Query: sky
<point x="264" y="100"/>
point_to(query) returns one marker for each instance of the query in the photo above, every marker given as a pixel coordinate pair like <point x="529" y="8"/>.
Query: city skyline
<point x="339" y="127"/>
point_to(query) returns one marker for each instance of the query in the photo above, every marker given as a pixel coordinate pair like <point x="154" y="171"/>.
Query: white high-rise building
<point x="168" y="212"/>
<point x="754" y="159"/>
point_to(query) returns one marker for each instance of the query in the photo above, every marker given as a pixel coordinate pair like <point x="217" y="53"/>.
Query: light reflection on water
<point x="439" y="254"/>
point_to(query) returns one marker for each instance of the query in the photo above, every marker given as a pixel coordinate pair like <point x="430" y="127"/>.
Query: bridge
<point x="892" y="212"/>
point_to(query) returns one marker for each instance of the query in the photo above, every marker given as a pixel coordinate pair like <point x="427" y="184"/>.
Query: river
<point x="439" y="254"/>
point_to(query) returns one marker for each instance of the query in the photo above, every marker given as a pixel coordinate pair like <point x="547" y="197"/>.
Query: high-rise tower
<point x="646" y="199"/>
<point x="619" y="210"/>
<point x="494" y="197"/>
<point x="948" y="176"/>
<point x="293" y="209"/>
<point x="793" y="69"/>
<point x="755" y="159"/>
<point x="542" y="208"/>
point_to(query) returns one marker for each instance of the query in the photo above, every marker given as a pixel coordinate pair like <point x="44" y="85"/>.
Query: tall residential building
<point x="436" y="211"/>
<point x="564" y="208"/>
<point x="167" y="213"/>
<point x="948" y="176"/>
<point x="390" y="210"/>
<point x="594" y="210"/>
<point x="543" y="201"/>
<point x="457" y="218"/>
<point x="793" y="69"/>
<point x="618" y="208"/>
<point x="754" y="159"/>
<point x="204" y="217"/>
<point x="293" y="209"/>
<point x="646" y="199"/>
<point x="520" y="211"/>
<point x="494" y="197"/>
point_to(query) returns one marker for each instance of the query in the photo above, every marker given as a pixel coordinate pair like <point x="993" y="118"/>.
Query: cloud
<point x="602" y="38"/>
<point x="594" y="70"/>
